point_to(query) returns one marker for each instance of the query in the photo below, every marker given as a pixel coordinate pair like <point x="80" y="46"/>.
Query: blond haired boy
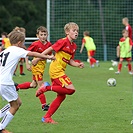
<point x="61" y="84"/>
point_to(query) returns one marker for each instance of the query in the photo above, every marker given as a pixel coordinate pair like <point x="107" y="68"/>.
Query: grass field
<point x="94" y="108"/>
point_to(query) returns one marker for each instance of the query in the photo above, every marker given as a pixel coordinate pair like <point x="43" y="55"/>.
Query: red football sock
<point x="55" y="105"/>
<point x="25" y="85"/>
<point x="119" y="67"/>
<point x="60" y="90"/>
<point x="42" y="99"/>
<point x="129" y="67"/>
<point x="93" y="60"/>
<point x="21" y="69"/>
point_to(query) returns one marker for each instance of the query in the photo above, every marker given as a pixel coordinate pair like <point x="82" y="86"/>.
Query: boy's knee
<point x="20" y="103"/>
<point x="33" y="85"/>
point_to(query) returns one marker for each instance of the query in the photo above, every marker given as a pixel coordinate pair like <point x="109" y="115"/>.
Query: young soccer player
<point x="38" y="70"/>
<point x="88" y="42"/>
<point x="22" y="60"/>
<point x="125" y="47"/>
<point x="8" y="61"/>
<point x="61" y="84"/>
<point x="125" y="22"/>
<point x="5" y="41"/>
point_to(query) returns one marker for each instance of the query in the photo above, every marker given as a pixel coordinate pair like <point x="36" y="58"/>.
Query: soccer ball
<point x="111" y="82"/>
<point x="114" y="63"/>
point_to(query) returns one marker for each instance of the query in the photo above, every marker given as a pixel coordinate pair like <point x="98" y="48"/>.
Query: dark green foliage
<point x="105" y="27"/>
<point x="24" y="13"/>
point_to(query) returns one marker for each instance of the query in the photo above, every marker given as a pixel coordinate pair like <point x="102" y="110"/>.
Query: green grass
<point x="94" y="108"/>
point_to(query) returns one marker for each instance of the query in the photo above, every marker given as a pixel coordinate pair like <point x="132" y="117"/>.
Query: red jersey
<point x="129" y="28"/>
<point x="65" y="51"/>
<point x="39" y="47"/>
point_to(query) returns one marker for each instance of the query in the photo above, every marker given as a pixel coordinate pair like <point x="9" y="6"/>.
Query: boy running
<point x="88" y="42"/>
<point x="61" y="84"/>
<point x="125" y="47"/>
<point x="9" y="59"/>
<point x="38" y="70"/>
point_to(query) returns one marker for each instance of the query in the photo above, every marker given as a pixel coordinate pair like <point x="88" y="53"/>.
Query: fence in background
<point x="103" y="18"/>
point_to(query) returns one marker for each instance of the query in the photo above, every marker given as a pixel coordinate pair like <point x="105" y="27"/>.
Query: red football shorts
<point x="37" y="77"/>
<point x="91" y="52"/>
<point x="62" y="81"/>
<point x="127" y="59"/>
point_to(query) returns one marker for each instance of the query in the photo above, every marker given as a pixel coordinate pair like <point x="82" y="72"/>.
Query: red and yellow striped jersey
<point x="38" y="46"/>
<point x="65" y="50"/>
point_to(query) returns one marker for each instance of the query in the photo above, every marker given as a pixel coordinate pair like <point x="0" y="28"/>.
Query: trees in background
<point x="24" y="13"/>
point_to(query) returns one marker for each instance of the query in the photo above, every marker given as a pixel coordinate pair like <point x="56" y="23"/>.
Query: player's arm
<point x="76" y="64"/>
<point x="28" y="66"/>
<point x="35" y="54"/>
<point x="45" y="52"/>
<point x="82" y="46"/>
<point x="130" y="42"/>
<point x="118" y="51"/>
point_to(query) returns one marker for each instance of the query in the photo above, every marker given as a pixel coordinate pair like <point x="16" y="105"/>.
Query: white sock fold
<point x="4" y="110"/>
<point x="6" y="120"/>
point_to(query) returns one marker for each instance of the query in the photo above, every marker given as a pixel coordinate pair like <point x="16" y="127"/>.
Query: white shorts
<point x="8" y="92"/>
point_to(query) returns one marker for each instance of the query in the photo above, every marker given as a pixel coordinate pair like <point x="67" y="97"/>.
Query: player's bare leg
<point x="14" y="106"/>
<point x="33" y="84"/>
<point x="42" y="98"/>
<point x="129" y="67"/>
<point x="119" y="66"/>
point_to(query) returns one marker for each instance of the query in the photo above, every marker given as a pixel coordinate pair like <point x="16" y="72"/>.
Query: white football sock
<point x="6" y="119"/>
<point x="4" y="110"/>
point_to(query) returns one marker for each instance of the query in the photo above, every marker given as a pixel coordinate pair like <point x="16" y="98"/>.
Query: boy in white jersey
<point x="9" y="59"/>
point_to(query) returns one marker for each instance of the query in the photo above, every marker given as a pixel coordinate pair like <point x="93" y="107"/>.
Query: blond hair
<point x="16" y="36"/>
<point x="21" y="29"/>
<point x="126" y="19"/>
<point x="42" y="29"/>
<point x="70" y="25"/>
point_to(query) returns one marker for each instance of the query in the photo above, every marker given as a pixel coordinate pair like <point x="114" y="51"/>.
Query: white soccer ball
<point x="111" y="82"/>
<point x="114" y="63"/>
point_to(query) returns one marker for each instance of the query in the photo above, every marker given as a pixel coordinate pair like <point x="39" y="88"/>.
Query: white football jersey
<point x="9" y="59"/>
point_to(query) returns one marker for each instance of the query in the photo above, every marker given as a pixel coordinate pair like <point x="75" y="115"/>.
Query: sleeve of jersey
<point x="50" y="44"/>
<point x="130" y="42"/>
<point x="122" y="39"/>
<point x="74" y="53"/>
<point x="31" y="47"/>
<point x="83" y="40"/>
<point x="3" y="42"/>
<point x="58" y="45"/>
<point x="23" y="53"/>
